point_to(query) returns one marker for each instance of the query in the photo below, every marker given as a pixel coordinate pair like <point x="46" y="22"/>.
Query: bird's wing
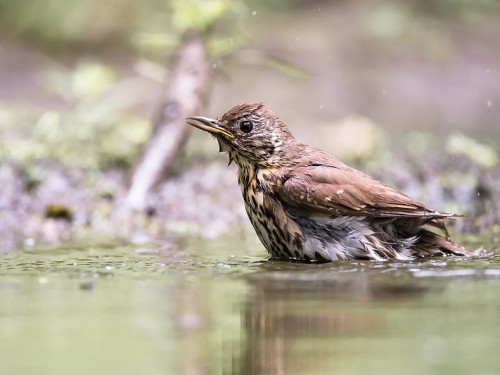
<point x="341" y="190"/>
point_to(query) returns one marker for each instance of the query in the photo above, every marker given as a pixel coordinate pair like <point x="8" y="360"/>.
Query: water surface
<point x="124" y="309"/>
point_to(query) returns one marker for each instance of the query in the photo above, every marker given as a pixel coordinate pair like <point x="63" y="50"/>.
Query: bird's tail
<point x="430" y="240"/>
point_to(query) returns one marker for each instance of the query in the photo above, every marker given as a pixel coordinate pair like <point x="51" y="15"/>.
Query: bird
<point x="307" y="206"/>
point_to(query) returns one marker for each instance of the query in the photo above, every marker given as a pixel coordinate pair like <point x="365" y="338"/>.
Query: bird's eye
<point x="246" y="126"/>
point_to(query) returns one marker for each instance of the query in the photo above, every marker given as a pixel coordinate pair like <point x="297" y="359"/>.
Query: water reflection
<point x="118" y="311"/>
<point x="294" y="319"/>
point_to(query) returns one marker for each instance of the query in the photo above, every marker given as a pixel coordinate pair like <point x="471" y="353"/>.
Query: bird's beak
<point x="210" y="125"/>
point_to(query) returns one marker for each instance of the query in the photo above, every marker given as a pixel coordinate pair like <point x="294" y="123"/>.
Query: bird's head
<point x="250" y="133"/>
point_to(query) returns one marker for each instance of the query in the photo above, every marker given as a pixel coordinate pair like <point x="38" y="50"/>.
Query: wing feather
<point x="341" y="190"/>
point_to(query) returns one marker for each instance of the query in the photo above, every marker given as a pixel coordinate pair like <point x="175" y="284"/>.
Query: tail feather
<point x="415" y="236"/>
<point x="430" y="240"/>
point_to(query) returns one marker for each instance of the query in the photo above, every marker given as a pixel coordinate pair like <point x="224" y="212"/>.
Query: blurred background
<point x="405" y="90"/>
<point x="397" y="88"/>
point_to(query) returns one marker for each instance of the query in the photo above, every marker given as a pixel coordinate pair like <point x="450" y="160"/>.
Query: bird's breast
<point x="279" y="234"/>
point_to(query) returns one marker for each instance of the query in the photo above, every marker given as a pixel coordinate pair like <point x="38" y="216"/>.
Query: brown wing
<point x="341" y="190"/>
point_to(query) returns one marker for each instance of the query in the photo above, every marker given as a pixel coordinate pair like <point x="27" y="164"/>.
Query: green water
<point x="128" y="310"/>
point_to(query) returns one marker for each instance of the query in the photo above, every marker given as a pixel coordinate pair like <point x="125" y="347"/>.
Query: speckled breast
<point x="279" y="234"/>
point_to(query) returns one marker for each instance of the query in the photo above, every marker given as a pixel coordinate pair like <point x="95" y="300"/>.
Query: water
<point x="121" y="309"/>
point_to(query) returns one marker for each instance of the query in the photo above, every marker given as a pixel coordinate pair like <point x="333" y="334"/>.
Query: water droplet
<point x="214" y="66"/>
<point x="254" y="13"/>
<point x="489" y="103"/>
<point x="321" y="107"/>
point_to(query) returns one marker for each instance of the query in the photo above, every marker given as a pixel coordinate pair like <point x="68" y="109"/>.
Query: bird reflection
<point x="295" y="321"/>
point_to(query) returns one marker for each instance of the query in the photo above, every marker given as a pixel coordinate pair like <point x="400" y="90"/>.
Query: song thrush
<point x="306" y="205"/>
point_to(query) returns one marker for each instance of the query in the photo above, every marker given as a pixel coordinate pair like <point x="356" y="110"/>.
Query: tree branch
<point x="185" y="93"/>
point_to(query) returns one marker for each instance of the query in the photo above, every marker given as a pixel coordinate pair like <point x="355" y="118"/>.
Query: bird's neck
<point x="254" y="178"/>
<point x="247" y="171"/>
<point x="283" y="157"/>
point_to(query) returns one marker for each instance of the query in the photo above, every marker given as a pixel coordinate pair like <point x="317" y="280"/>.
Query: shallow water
<point x="125" y="309"/>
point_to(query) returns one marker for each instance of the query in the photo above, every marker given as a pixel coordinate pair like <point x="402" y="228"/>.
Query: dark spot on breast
<point x="254" y="201"/>
<point x="286" y="251"/>
<point x="275" y="251"/>
<point x="263" y="222"/>
<point x="276" y="222"/>
<point x="258" y="185"/>
<point x="245" y="198"/>
<point x="297" y="242"/>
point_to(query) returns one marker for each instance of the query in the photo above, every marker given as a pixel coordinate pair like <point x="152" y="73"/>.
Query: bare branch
<point x="185" y="93"/>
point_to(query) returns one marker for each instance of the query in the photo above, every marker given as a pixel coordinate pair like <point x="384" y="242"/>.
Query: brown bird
<point x="306" y="205"/>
